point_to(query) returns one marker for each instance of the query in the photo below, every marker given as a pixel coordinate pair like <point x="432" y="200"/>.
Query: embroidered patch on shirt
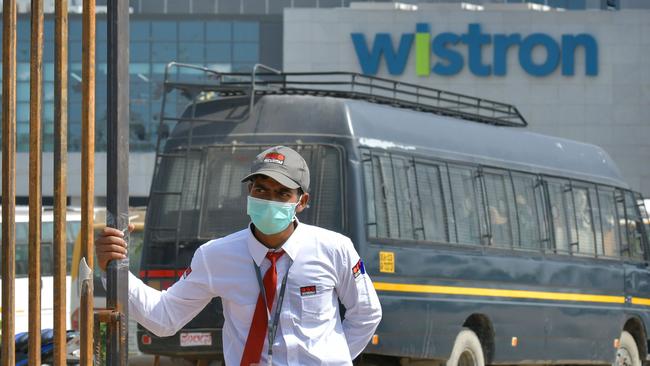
<point x="307" y="290"/>
<point x="187" y="272"/>
<point x="358" y="269"/>
<point x="274" y="158"/>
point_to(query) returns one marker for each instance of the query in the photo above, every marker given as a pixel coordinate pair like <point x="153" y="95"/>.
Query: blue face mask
<point x="270" y="217"/>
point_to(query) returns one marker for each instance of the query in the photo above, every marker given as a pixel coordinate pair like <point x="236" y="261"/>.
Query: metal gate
<point x="116" y="315"/>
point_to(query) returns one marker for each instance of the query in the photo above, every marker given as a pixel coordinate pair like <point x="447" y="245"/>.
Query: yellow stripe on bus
<point x="490" y="292"/>
<point x="640" y="301"/>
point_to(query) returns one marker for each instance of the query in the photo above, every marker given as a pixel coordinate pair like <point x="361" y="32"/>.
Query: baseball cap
<point x="284" y="165"/>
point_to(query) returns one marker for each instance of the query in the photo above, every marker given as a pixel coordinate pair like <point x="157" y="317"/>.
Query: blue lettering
<point x="502" y="43"/>
<point x="526" y="54"/>
<point x="454" y="59"/>
<point x="450" y="61"/>
<point x="382" y="45"/>
<point x="475" y="40"/>
<point x="569" y="45"/>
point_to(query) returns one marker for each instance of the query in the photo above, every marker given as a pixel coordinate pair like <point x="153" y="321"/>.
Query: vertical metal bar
<point x="60" y="177"/>
<point x="8" y="179"/>
<point x="88" y="178"/>
<point x="117" y="193"/>
<point x="35" y="152"/>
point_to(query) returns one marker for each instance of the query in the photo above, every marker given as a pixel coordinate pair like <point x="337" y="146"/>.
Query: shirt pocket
<point x="317" y="307"/>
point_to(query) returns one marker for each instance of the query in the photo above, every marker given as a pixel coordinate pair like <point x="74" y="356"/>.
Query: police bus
<point x="487" y="243"/>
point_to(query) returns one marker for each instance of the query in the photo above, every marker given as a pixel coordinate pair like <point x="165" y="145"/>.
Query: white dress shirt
<point x="310" y="331"/>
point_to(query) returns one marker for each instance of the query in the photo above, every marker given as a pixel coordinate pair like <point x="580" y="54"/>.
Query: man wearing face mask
<point x="280" y="281"/>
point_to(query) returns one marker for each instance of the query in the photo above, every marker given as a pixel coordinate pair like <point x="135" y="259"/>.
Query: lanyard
<point x="273" y="326"/>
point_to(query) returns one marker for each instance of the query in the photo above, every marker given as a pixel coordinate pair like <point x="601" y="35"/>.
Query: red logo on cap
<point x="273" y="157"/>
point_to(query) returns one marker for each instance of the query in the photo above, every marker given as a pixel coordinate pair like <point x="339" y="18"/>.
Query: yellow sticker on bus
<point x="386" y="262"/>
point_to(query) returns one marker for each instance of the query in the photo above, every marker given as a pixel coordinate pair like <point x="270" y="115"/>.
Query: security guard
<point x="279" y="280"/>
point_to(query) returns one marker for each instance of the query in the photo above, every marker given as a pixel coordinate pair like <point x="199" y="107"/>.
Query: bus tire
<point x="467" y="350"/>
<point x="627" y="353"/>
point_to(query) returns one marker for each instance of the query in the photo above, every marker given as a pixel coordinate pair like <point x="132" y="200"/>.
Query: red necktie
<point x="257" y="333"/>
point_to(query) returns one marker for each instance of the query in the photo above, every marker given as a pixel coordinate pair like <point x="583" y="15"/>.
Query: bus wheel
<point x="467" y="350"/>
<point x="627" y="353"/>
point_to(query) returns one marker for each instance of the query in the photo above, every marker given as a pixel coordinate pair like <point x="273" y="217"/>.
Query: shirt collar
<point x="258" y="250"/>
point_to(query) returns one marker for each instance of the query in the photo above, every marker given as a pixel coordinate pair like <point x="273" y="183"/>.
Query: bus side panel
<point x="465" y="281"/>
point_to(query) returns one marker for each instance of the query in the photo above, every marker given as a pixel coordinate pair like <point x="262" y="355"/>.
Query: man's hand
<point x="110" y="245"/>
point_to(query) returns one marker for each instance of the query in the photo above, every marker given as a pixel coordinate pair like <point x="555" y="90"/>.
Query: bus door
<point x="634" y="248"/>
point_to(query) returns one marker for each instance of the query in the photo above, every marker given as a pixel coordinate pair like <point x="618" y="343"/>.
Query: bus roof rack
<point x="343" y="85"/>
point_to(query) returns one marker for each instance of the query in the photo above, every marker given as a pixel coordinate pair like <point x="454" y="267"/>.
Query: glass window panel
<point x="48" y="113"/>
<point x="101" y="31"/>
<point x="408" y="213"/>
<point x="371" y="196"/>
<point x="218" y="31"/>
<point x="571" y="218"/>
<point x="633" y="225"/>
<point x="139" y="52"/>
<point x="139" y="68"/>
<point x="277" y="6"/>
<point x="191" y="31"/>
<point x="430" y="202"/>
<point x="22" y="260"/>
<point x="23" y="30"/>
<point x="101" y="52"/>
<point x="528" y="212"/>
<point x="48" y="30"/>
<point x="139" y="30"/>
<point x="559" y="216"/>
<point x="597" y="220"/>
<point x="387" y="224"/>
<point x="499" y="209"/>
<point x="608" y="217"/>
<point x="246" y="31"/>
<point x="22" y="51"/>
<point x="22" y="92"/>
<point x="229" y="7"/>
<point x="164" y="52"/>
<point x="218" y="52"/>
<point x="48" y="51"/>
<point x="191" y="52"/>
<point x="46" y="259"/>
<point x="74" y="29"/>
<point x="254" y="6"/>
<point x="466" y="204"/>
<point x="48" y="71"/>
<point x="48" y="91"/>
<point x="74" y="51"/>
<point x="204" y="6"/>
<point x="584" y="219"/>
<point x="22" y="111"/>
<point x="22" y="71"/>
<point x="163" y="30"/>
<point x="246" y="52"/>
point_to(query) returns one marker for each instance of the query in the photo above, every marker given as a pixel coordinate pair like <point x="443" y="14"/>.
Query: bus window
<point x="633" y="224"/>
<point x="429" y="187"/>
<point x="500" y="210"/>
<point x="529" y="213"/>
<point x="382" y="185"/>
<point x="597" y="221"/>
<point x="464" y="190"/>
<point x="608" y="220"/>
<point x="371" y="196"/>
<point x="582" y="202"/>
<point x="408" y="211"/>
<point x="558" y="192"/>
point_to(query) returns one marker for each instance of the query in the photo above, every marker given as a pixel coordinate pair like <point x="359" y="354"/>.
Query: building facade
<point x="575" y="69"/>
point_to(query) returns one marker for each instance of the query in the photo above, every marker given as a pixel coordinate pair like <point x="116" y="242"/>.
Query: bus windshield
<point x="198" y="195"/>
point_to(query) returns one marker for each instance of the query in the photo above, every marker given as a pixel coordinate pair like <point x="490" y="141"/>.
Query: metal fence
<point x="116" y="315"/>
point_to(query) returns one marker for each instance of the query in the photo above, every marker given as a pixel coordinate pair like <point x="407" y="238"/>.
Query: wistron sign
<point x="440" y="54"/>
